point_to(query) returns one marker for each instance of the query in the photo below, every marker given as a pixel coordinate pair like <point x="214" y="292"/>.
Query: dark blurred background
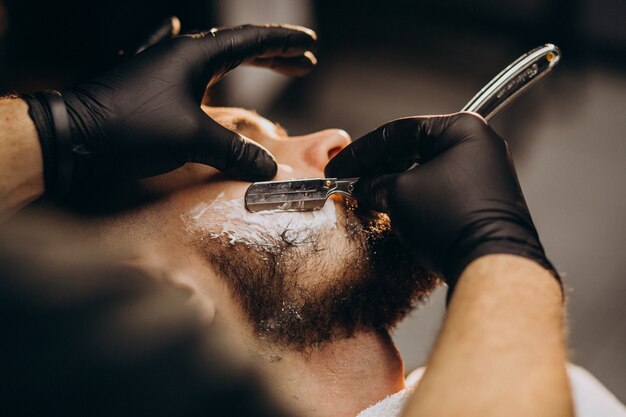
<point x="387" y="59"/>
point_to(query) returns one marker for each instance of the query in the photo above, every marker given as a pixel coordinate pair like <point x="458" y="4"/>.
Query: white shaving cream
<point x="260" y="228"/>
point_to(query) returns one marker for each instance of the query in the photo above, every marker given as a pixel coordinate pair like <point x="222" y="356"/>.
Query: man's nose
<point x="322" y="146"/>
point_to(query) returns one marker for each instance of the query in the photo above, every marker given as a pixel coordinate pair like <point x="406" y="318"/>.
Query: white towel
<point x="392" y="405"/>
<point x="591" y="398"/>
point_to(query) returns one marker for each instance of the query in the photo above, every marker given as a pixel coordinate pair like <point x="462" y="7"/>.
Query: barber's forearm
<point x="21" y="164"/>
<point x="502" y="349"/>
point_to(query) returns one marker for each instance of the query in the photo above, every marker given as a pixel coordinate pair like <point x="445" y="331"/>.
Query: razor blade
<point x="311" y="193"/>
<point x="296" y="195"/>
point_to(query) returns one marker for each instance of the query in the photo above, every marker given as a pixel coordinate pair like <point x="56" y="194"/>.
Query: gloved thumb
<point x="372" y="191"/>
<point x="235" y="155"/>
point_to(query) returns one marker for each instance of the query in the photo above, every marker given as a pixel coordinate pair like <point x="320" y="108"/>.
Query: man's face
<point x="301" y="278"/>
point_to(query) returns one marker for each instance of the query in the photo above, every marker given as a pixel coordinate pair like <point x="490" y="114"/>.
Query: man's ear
<point x="199" y="299"/>
<point x="180" y="280"/>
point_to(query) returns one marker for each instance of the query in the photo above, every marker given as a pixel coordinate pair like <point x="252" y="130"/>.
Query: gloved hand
<point x="143" y="118"/>
<point x="461" y="202"/>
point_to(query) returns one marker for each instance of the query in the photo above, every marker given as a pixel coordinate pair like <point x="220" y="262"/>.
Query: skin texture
<point x="501" y="350"/>
<point x="21" y="172"/>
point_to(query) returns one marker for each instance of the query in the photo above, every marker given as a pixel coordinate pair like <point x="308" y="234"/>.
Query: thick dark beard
<point x="375" y="288"/>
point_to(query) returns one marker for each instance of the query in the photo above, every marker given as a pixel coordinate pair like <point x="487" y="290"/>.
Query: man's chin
<point x="298" y="296"/>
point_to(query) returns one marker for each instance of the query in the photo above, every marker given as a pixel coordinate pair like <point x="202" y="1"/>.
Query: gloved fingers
<point x="296" y="66"/>
<point x="401" y="140"/>
<point x="167" y="29"/>
<point x="233" y="154"/>
<point x="373" y="153"/>
<point x="248" y="42"/>
<point x="211" y="55"/>
<point x="372" y="191"/>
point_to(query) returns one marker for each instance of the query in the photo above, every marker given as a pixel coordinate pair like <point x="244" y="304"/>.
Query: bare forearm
<point x="21" y="165"/>
<point x="501" y="350"/>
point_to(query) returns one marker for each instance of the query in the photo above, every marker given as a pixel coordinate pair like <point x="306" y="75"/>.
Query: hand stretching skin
<point x="143" y="118"/>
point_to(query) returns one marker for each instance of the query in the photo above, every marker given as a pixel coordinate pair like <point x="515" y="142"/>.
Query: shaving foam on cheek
<point x="261" y="228"/>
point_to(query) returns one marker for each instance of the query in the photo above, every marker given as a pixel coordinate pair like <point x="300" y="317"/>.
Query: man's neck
<point x="340" y="379"/>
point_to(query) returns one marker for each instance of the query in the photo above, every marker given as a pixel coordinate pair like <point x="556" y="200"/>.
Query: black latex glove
<point x="463" y="201"/>
<point x="143" y="118"/>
